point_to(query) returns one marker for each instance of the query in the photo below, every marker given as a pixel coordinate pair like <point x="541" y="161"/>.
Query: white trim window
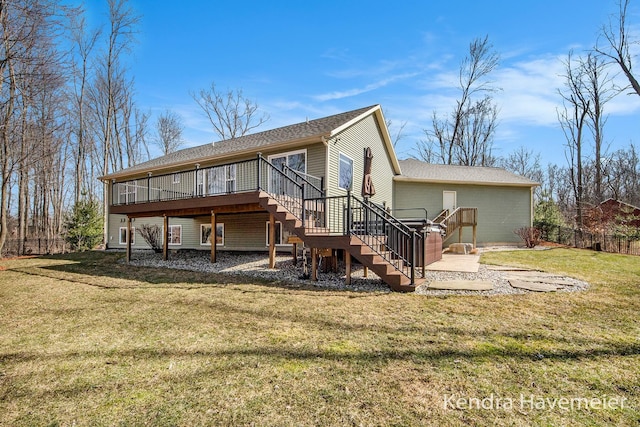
<point x="281" y="234"/>
<point x="122" y="236"/>
<point x="201" y="182"/>
<point x="345" y="172"/>
<point x="221" y="179"/>
<point x="175" y="235"/>
<point x="205" y="234"/>
<point x="295" y="160"/>
<point x="127" y="192"/>
<point x="176" y="178"/>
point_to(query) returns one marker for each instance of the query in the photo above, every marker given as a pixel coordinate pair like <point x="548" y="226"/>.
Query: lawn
<point x="87" y="340"/>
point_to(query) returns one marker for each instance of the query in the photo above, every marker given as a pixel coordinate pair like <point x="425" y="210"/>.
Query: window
<point x="200" y="176"/>
<point x="127" y="192"/>
<point x="123" y="235"/>
<point x="175" y="235"/>
<point x="281" y="238"/>
<point x="345" y="172"/>
<point x="221" y="179"/>
<point x="220" y="234"/>
<point x="176" y="178"/>
<point x="205" y="234"/>
<point x="296" y="160"/>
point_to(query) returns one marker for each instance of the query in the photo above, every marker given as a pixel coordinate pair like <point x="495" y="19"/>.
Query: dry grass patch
<point x="88" y="340"/>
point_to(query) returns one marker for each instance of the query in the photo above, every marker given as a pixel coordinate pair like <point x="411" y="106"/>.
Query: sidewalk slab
<point x="459" y="263"/>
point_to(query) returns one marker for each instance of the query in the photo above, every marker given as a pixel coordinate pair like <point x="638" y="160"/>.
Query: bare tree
<point x="616" y="45"/>
<point x="622" y="178"/>
<point x="230" y="113"/>
<point x="169" y="129"/>
<point x="466" y="135"/>
<point x="599" y="89"/>
<point x="84" y="41"/>
<point x="476" y="137"/>
<point x="109" y="86"/>
<point x="572" y="117"/>
<point x="30" y="81"/>
<point x="398" y="135"/>
<point x="525" y="163"/>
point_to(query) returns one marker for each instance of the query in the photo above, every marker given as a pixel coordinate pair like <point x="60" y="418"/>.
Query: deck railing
<point x="228" y="178"/>
<point x="301" y="194"/>
<point x="398" y="244"/>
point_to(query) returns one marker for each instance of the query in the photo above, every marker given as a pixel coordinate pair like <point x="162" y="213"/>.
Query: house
<point x="611" y="213"/>
<point x="304" y="183"/>
<point x="497" y="201"/>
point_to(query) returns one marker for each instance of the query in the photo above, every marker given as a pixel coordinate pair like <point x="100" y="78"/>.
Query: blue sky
<point x="301" y="60"/>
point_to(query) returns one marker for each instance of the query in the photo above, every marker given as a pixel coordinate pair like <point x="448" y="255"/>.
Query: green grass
<point x="86" y="340"/>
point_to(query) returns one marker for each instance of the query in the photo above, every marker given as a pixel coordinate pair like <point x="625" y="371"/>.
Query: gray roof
<point x="253" y="142"/>
<point x="413" y="169"/>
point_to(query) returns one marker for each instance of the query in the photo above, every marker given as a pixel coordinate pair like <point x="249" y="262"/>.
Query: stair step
<point x="286" y="209"/>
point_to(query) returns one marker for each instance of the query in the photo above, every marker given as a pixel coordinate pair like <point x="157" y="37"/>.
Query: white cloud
<point x="357" y="91"/>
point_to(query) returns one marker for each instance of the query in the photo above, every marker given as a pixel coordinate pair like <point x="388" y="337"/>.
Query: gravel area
<point x="257" y="265"/>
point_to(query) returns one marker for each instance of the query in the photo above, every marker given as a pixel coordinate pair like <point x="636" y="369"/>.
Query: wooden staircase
<point x="367" y="249"/>
<point x="456" y="220"/>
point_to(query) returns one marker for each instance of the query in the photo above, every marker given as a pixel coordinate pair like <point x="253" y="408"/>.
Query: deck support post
<point x="294" y="253"/>
<point x="475" y="233"/>
<point x="128" y="239"/>
<point x="314" y="264"/>
<point x="272" y="241"/>
<point x="347" y="266"/>
<point x="460" y="234"/>
<point x="165" y="238"/>
<point x="365" y="271"/>
<point x="212" y="237"/>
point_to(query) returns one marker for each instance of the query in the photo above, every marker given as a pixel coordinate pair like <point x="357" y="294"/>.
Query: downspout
<point x="325" y="141"/>
<point x="533" y="211"/>
<point x="107" y="196"/>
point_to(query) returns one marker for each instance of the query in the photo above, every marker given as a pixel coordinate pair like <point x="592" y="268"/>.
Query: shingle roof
<point x="413" y="169"/>
<point x="300" y="131"/>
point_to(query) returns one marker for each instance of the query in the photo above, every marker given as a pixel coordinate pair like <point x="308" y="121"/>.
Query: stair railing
<point x="313" y="184"/>
<point x="384" y="234"/>
<point x="460" y="217"/>
<point x="282" y="187"/>
<point x="348" y="215"/>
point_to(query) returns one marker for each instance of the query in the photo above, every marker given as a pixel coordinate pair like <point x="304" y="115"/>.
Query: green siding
<point x="242" y="232"/>
<point x="352" y="142"/>
<point x="189" y="233"/>
<point x="316" y="157"/>
<point x="501" y="210"/>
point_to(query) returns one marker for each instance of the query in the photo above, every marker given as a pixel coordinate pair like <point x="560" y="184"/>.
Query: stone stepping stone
<point x="461" y="285"/>
<point x="554" y="280"/>
<point x="532" y="273"/>
<point x="533" y="286"/>
<point x="540" y="276"/>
